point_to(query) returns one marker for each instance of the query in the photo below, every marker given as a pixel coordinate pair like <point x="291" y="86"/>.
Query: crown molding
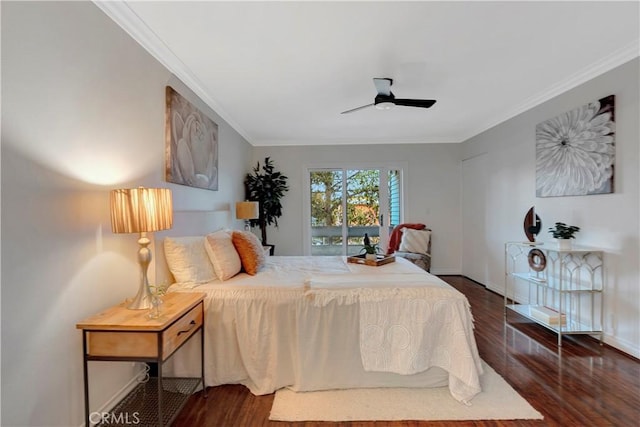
<point x="132" y="24"/>
<point x="608" y="63"/>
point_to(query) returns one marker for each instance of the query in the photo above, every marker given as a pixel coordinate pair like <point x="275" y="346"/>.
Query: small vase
<point x="564" y="244"/>
<point x="154" y="311"/>
<point x="371" y="257"/>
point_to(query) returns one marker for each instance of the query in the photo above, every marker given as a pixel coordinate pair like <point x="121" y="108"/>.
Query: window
<point x="394" y="198"/>
<point x="347" y="203"/>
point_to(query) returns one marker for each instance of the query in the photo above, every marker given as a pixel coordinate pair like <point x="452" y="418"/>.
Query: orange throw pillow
<point x="250" y="250"/>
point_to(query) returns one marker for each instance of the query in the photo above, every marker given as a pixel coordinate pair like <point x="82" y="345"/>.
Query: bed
<point x="316" y="323"/>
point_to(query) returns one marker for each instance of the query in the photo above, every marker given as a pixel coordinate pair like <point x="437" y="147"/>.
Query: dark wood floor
<point x="579" y="384"/>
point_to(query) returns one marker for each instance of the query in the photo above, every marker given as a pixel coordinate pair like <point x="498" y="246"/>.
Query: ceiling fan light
<point x="386" y="105"/>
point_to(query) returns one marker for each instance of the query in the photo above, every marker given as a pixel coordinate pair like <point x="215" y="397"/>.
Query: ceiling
<point x="281" y="73"/>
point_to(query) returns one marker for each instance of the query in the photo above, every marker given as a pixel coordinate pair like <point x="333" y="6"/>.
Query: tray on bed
<point x="380" y="260"/>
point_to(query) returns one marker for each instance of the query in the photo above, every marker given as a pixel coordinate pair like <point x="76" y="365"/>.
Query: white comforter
<point x="270" y="330"/>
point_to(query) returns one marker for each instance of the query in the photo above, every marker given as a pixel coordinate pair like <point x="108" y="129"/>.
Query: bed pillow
<point x="187" y="259"/>
<point x="223" y="255"/>
<point x="250" y="251"/>
<point x="416" y="241"/>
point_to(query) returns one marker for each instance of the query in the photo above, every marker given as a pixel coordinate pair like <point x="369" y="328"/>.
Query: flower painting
<point x="575" y="151"/>
<point x="191" y="144"/>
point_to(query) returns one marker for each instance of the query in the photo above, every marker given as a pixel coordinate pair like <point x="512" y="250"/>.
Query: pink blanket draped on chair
<point x="396" y="235"/>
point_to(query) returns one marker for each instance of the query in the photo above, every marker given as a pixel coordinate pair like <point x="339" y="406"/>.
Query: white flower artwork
<point x="575" y="151"/>
<point x="192" y="144"/>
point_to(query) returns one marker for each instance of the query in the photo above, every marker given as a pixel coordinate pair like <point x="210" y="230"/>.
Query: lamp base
<point x="143" y="299"/>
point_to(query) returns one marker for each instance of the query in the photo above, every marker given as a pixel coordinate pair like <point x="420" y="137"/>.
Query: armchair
<point x="412" y="242"/>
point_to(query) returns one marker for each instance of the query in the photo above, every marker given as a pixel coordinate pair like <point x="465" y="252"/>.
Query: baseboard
<point x="621" y="345"/>
<point x="445" y="272"/>
<point x="496" y="289"/>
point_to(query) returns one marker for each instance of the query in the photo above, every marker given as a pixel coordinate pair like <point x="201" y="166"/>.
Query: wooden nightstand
<point x="121" y="334"/>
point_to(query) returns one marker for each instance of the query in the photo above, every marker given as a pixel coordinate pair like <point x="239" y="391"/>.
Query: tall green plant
<point x="267" y="187"/>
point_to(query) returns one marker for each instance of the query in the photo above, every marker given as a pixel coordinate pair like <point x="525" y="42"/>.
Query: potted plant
<point x="564" y="233"/>
<point x="370" y="250"/>
<point x="267" y="187"/>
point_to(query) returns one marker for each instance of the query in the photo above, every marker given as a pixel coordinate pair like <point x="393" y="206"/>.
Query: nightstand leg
<point x="85" y="371"/>
<point x="204" y="387"/>
<point x="160" y="421"/>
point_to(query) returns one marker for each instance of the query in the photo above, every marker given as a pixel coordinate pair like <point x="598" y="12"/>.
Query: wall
<point x="608" y="221"/>
<point x="82" y="113"/>
<point x="432" y="189"/>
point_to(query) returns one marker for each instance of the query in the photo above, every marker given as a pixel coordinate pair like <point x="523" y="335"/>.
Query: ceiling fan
<point x="385" y="99"/>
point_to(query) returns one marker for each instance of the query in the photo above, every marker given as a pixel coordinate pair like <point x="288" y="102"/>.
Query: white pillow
<point x="223" y="255"/>
<point x="188" y="260"/>
<point x="416" y="241"/>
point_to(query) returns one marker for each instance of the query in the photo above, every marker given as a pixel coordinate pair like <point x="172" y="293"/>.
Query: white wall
<point x="608" y="221"/>
<point x="82" y="113"/>
<point x="432" y="187"/>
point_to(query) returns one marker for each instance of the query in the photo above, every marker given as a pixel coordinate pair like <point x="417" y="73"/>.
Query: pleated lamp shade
<point x="247" y="210"/>
<point x="138" y="210"/>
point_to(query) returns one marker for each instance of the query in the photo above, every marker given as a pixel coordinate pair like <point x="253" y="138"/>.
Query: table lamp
<point x="141" y="210"/>
<point x="247" y="211"/>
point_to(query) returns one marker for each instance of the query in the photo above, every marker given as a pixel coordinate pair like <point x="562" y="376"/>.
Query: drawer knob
<point x="191" y="325"/>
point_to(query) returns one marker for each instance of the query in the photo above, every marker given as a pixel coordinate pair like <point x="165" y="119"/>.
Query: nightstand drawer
<point x="122" y="344"/>
<point x="144" y="344"/>
<point x="181" y="330"/>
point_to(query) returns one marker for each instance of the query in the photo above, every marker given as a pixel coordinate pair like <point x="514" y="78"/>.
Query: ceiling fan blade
<point x="424" y="103"/>
<point x="357" y="108"/>
<point x="383" y="85"/>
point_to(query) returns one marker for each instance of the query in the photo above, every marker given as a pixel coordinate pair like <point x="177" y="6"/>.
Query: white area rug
<point x="497" y="401"/>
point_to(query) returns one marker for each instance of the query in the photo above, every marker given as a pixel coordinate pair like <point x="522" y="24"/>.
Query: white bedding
<point x="313" y="323"/>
